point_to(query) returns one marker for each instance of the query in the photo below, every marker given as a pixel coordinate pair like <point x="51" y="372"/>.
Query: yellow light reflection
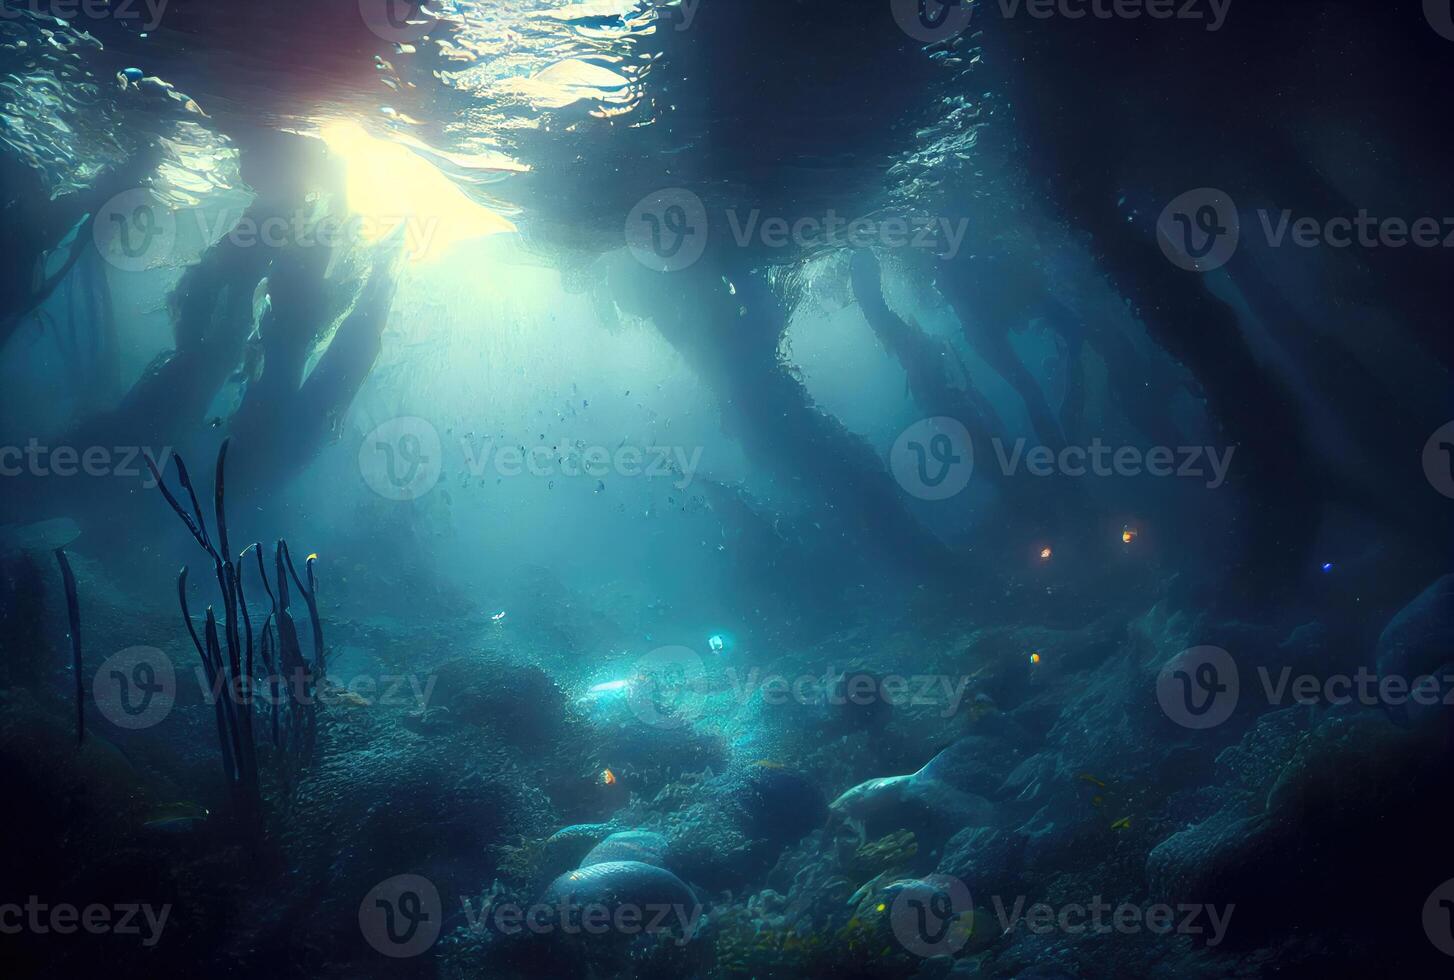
<point x="389" y="186"/>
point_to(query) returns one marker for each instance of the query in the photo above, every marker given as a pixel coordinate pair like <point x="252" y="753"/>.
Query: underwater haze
<point x="726" y="489"/>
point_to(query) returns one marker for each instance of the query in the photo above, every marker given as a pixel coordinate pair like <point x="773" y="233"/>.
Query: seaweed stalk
<point x="73" y="609"/>
<point x="310" y="598"/>
<point x="228" y="644"/>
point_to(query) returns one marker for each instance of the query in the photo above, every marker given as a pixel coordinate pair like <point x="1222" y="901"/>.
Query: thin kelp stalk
<point x="238" y="762"/>
<point x="232" y="742"/>
<point x="73" y="609"/>
<point x="266" y="648"/>
<point x="269" y="643"/>
<point x="228" y="767"/>
<point x="227" y="649"/>
<point x="310" y="597"/>
<point x="290" y="660"/>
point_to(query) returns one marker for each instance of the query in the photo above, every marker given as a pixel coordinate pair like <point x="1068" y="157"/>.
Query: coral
<point x="892" y="851"/>
<point x="864" y="946"/>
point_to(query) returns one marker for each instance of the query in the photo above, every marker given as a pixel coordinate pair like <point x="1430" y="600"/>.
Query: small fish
<point x="1087" y="777"/>
<point x="354" y="700"/>
<point x="42" y="536"/>
<point x="1123" y="824"/>
<point x="498" y="616"/>
<point x="175" y="818"/>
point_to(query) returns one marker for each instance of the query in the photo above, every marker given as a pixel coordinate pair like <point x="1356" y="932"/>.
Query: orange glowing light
<point x="1128" y="535"/>
<point x="1034" y="658"/>
<point x="608" y="777"/>
<point x="1045" y="554"/>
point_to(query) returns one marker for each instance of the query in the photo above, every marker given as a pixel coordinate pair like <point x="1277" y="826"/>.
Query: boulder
<point x="934" y="802"/>
<point x="1419" y="640"/>
<point x="657" y="899"/>
<point x="645" y="846"/>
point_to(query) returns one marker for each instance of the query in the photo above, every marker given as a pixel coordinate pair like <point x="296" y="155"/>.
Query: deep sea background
<point x="726" y="489"/>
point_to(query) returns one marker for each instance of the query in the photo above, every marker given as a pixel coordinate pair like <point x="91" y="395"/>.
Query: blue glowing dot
<point x="1327" y="567"/>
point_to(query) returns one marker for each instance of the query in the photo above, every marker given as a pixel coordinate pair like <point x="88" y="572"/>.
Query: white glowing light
<point x="389" y="187"/>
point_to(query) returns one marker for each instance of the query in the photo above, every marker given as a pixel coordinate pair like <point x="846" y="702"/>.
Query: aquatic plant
<point x="894" y="850"/>
<point x="73" y="610"/>
<point x="231" y="678"/>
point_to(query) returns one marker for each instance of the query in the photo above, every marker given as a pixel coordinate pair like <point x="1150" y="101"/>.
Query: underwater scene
<point x="726" y="489"/>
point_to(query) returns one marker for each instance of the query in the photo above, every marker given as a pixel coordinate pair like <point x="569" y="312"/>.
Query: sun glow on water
<point x="390" y="187"/>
